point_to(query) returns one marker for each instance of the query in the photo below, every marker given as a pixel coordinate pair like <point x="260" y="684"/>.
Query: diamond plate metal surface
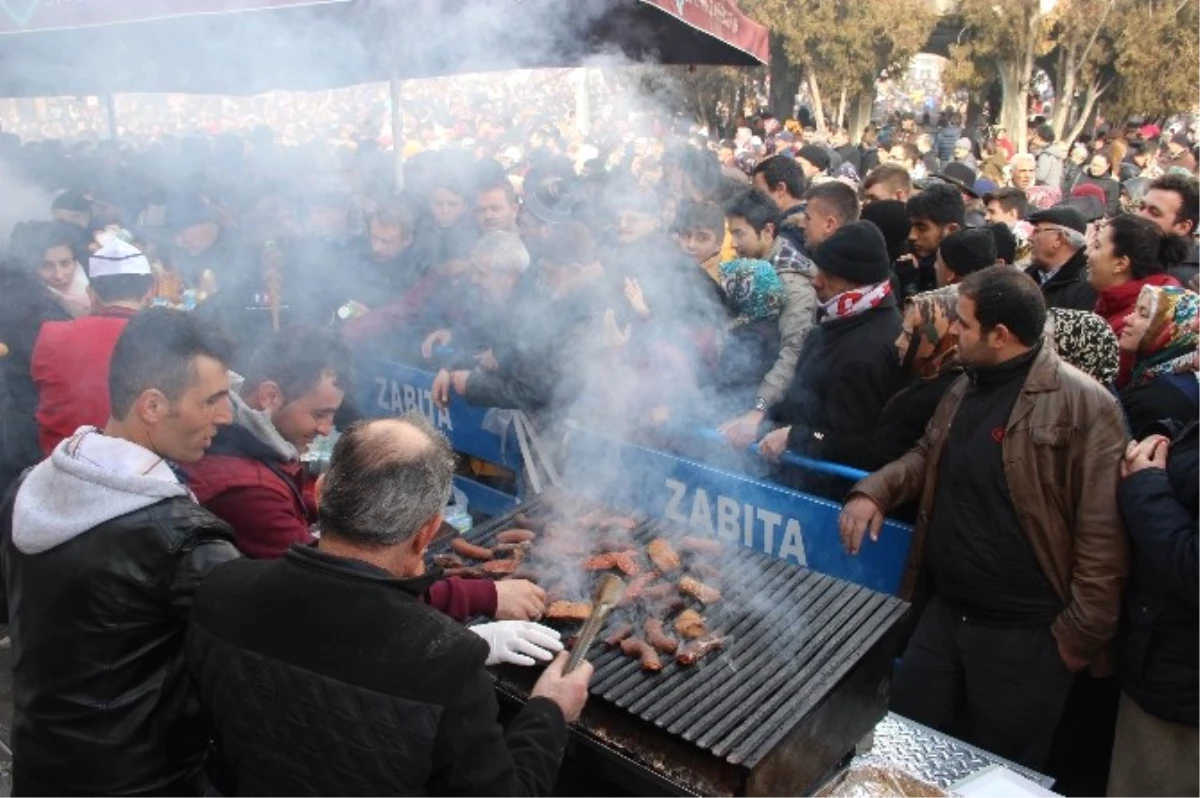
<point x="935" y="757"/>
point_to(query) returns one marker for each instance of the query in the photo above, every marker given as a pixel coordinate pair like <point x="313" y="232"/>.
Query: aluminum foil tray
<point x="935" y="757"/>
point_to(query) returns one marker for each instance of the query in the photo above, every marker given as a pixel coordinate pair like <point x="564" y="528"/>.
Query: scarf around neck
<point x="855" y="302"/>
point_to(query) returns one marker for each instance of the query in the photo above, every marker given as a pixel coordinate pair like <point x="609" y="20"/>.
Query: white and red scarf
<point x="855" y="301"/>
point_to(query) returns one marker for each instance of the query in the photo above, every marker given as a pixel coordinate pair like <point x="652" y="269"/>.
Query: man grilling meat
<point x="1019" y="527"/>
<point x="324" y="674"/>
<point x="253" y="479"/>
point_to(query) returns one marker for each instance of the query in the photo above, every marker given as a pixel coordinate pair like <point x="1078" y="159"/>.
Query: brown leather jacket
<point x="1062" y="451"/>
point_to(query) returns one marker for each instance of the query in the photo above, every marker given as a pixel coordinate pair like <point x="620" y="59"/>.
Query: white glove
<point x="518" y="642"/>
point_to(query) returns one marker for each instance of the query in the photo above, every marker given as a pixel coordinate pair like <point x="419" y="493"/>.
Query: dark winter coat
<point x="102" y="703"/>
<point x="1158" y="648"/>
<point x="1169" y="397"/>
<point x="25" y="306"/>
<point x="310" y="695"/>
<point x="1068" y="288"/>
<point x="845" y="374"/>
<point x="900" y="426"/>
<point x="944" y="141"/>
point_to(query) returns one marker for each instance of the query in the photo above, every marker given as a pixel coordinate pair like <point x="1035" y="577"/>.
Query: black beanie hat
<point x="815" y="155"/>
<point x="856" y="252"/>
<point x="969" y="250"/>
<point x="891" y="217"/>
<point x="1006" y="242"/>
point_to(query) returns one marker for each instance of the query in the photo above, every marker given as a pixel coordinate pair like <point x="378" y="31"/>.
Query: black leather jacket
<point x="100" y="690"/>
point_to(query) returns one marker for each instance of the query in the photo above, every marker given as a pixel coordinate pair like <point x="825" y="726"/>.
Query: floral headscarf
<point x="937" y="311"/>
<point x="753" y="290"/>
<point x="1086" y="341"/>
<point x="1169" y="345"/>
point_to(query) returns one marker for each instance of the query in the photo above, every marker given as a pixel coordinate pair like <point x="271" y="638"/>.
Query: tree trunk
<point x="1012" y="103"/>
<point x="841" y="109"/>
<point x="860" y="112"/>
<point x="974" y="113"/>
<point x="1094" y="92"/>
<point x="814" y="92"/>
<point x="785" y="80"/>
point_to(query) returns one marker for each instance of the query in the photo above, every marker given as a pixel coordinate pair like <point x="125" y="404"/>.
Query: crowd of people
<point x="1006" y="341"/>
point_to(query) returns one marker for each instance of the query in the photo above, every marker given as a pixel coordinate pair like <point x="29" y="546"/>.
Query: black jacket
<point x="1186" y="271"/>
<point x="844" y="376"/>
<point x="1158" y="647"/>
<point x="325" y="676"/>
<point x="900" y="426"/>
<point x="102" y="704"/>
<point x="1164" y="398"/>
<point x="1110" y="187"/>
<point x="24" y="306"/>
<point x="1069" y="287"/>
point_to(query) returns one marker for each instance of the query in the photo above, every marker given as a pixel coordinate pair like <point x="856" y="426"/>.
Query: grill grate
<point x="794" y="634"/>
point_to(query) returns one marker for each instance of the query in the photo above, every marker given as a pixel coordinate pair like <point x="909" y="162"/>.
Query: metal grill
<point x="795" y="637"/>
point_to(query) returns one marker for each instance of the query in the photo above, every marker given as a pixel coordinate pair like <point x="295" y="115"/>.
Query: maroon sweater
<point x="270" y="507"/>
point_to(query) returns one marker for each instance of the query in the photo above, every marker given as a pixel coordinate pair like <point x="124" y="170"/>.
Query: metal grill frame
<point x="796" y="707"/>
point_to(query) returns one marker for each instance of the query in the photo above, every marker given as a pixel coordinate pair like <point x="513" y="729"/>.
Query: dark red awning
<point x="249" y="46"/>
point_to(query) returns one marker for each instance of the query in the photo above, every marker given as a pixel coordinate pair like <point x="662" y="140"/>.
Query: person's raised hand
<point x="441" y="388"/>
<point x="859" y="515"/>
<point x="742" y="431"/>
<point x="434" y="340"/>
<point x="458" y="379"/>
<point x="519" y="600"/>
<point x="569" y="691"/>
<point x="774" y="444"/>
<point x="637" y="300"/>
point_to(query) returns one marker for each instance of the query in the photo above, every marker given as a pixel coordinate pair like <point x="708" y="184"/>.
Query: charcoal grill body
<point x="804" y="677"/>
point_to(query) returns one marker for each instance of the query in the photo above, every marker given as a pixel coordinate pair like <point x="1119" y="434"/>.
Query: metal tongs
<point x="608" y="593"/>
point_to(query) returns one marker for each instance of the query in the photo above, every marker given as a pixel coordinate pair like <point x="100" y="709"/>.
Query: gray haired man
<point x="1057" y="246"/>
<point x="324" y="674"/>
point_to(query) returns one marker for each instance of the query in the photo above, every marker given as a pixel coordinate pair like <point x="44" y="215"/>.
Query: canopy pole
<point x="394" y="84"/>
<point x="110" y="106"/>
<point x="583" y="110"/>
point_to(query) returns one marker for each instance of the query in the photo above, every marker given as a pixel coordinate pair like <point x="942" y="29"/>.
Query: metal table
<point x="935" y="757"/>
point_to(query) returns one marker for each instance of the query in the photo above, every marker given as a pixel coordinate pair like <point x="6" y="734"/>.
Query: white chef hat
<point x="116" y="257"/>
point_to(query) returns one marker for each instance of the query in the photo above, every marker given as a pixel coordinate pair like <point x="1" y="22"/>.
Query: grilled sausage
<point x="656" y="637"/>
<point x="636" y="647"/>
<point x="469" y="549"/>
<point x="600" y="562"/>
<point x="626" y="562"/>
<point x="622" y="631"/>
<point x="466" y="572"/>
<point x="500" y="567"/>
<point x="637" y="586"/>
<point x="525" y="521"/>
<point x="704" y="571"/>
<point x="696" y="649"/>
<point x="698" y="590"/>
<point x="695" y="545"/>
<point x="619" y="522"/>
<point x="569" y="610"/>
<point x="516" y="536"/>
<point x="447" y="561"/>
<point x="690" y="625"/>
<point x="663" y="555"/>
<point x="659" y="591"/>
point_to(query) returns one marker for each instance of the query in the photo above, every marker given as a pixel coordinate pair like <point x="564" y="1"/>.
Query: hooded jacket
<point x="253" y="479"/>
<point x="1050" y="164"/>
<point x="796" y="271"/>
<point x="101" y="551"/>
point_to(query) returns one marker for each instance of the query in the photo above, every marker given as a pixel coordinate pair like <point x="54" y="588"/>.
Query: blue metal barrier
<point x="386" y="388"/>
<point x="710" y="435"/>
<point x="758" y="514"/>
<point x="762" y="515"/>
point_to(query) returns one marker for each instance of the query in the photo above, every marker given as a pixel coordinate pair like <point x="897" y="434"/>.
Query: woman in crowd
<point x="927" y="350"/>
<point x="753" y="294"/>
<point x="38" y="284"/>
<point x="1160" y="336"/>
<point x="1085" y="340"/>
<point x="1099" y="174"/>
<point x="1155" y="745"/>
<point x="1126" y="254"/>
